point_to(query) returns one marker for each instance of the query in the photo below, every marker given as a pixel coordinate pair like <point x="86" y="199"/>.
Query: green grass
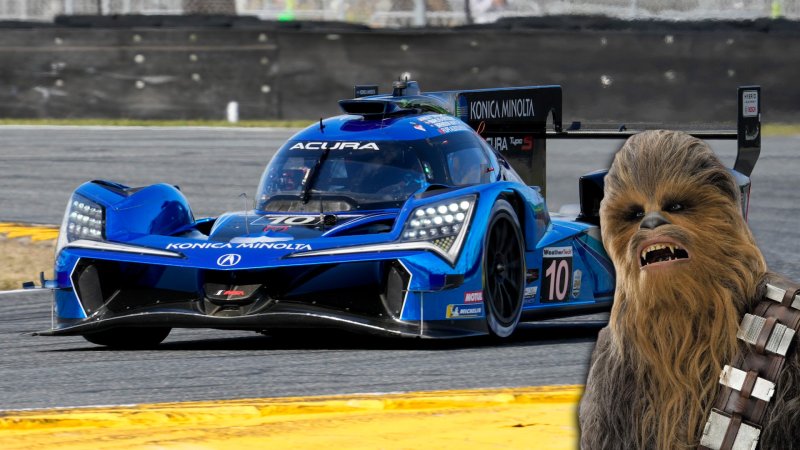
<point x="159" y="123"/>
<point x="781" y="129"/>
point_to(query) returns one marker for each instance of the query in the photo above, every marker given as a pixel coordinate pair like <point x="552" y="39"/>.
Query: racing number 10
<point x="558" y="279"/>
<point x="558" y="267"/>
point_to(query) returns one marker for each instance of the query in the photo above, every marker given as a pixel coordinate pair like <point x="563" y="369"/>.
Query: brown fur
<point x="655" y="368"/>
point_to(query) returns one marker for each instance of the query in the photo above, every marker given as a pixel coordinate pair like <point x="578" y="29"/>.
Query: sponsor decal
<point x="363" y="91"/>
<point x="530" y="292"/>
<point x="443" y="124"/>
<point x="556" y="252"/>
<point x="531" y="275"/>
<point x="557" y="267"/>
<point x="511" y="143"/>
<point x="241" y="245"/>
<point x="417" y="126"/>
<point x="322" y="145"/>
<point x="473" y="297"/>
<point x="510" y="108"/>
<point x="464" y="311"/>
<point x="229" y="260"/>
<point x="576" y="283"/>
<point x="462" y="108"/>
<point x="224" y="292"/>
<point x="750" y="103"/>
<point x="279" y="228"/>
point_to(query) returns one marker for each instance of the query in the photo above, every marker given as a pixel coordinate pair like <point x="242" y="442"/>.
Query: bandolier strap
<point x="747" y="386"/>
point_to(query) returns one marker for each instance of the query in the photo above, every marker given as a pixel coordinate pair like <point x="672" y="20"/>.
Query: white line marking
<point x="62" y="408"/>
<point x="19" y="291"/>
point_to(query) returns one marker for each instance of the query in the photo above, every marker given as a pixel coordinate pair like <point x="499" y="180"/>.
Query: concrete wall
<point x="646" y="74"/>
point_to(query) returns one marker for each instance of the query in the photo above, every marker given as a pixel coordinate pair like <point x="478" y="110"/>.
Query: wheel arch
<point x="518" y="204"/>
<point x="533" y="220"/>
<point x="155" y="209"/>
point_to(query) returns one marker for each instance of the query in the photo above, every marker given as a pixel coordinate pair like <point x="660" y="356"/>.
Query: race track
<point x="39" y="372"/>
<point x="41" y="166"/>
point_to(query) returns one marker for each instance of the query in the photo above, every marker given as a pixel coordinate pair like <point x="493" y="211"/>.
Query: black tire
<point x="503" y="270"/>
<point x="128" y="337"/>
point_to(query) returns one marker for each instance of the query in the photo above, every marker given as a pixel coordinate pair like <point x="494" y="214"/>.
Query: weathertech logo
<point x="473" y="297"/>
<point x="557" y="252"/>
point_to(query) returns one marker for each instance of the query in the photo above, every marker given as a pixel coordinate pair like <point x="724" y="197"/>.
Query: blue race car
<point x="397" y="218"/>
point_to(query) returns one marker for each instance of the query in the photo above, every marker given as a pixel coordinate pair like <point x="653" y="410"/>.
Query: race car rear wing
<point x="514" y="121"/>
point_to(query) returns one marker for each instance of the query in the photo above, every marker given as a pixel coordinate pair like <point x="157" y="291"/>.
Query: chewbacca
<point x="688" y="269"/>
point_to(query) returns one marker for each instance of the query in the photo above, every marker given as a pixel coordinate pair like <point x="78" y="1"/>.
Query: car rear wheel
<point x="503" y="270"/>
<point x="129" y="338"/>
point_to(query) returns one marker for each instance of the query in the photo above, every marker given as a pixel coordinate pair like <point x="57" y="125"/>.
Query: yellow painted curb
<point x="34" y="232"/>
<point x="535" y="417"/>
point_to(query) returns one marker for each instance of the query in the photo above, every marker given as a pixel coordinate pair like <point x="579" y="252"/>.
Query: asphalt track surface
<point x="41" y="166"/>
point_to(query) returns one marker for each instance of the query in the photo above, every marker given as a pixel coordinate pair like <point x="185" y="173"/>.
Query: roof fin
<point x="405" y="87"/>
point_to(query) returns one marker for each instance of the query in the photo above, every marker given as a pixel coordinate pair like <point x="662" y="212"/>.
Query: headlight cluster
<point x="85" y="219"/>
<point x="438" y="223"/>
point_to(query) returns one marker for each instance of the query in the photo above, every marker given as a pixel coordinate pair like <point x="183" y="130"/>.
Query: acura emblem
<point x="229" y="260"/>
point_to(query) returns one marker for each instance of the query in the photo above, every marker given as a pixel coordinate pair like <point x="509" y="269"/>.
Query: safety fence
<point x="611" y="71"/>
<point x="404" y="13"/>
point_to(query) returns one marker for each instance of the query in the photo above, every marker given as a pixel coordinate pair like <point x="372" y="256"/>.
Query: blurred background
<point x="619" y="61"/>
<point x="403" y="13"/>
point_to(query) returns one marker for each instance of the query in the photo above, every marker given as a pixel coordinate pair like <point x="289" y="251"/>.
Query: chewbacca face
<point x="686" y="267"/>
<point x="671" y="212"/>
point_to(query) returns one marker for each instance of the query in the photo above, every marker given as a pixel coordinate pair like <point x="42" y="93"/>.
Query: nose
<point x="653" y="220"/>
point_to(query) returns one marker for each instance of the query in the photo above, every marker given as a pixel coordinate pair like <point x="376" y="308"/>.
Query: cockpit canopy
<point x="337" y="176"/>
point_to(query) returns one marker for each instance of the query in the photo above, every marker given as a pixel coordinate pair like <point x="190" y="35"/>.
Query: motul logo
<point x="473" y="297"/>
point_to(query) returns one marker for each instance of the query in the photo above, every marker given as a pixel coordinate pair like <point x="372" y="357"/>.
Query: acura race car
<point x="396" y="218"/>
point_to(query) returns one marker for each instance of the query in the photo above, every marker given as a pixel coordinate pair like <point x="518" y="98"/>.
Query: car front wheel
<point x="503" y="270"/>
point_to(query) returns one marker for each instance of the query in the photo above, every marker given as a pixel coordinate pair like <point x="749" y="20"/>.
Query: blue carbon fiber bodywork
<point x="157" y="264"/>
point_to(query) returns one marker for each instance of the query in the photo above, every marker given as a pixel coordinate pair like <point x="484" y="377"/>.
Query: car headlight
<point x="440" y="227"/>
<point x="439" y="223"/>
<point x="83" y="219"/>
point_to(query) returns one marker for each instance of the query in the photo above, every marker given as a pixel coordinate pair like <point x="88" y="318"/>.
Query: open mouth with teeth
<point x="661" y="252"/>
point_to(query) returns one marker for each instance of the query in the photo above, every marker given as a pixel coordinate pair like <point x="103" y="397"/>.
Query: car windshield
<point x="364" y="174"/>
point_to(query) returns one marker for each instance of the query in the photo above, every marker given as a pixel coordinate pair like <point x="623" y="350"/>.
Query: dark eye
<point x="674" y="207"/>
<point x="634" y="213"/>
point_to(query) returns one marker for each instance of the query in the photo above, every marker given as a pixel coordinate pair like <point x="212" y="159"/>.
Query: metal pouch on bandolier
<point x="748" y="385"/>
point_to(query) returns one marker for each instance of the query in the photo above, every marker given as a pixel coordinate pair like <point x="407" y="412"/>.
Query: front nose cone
<point x="652" y="221"/>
